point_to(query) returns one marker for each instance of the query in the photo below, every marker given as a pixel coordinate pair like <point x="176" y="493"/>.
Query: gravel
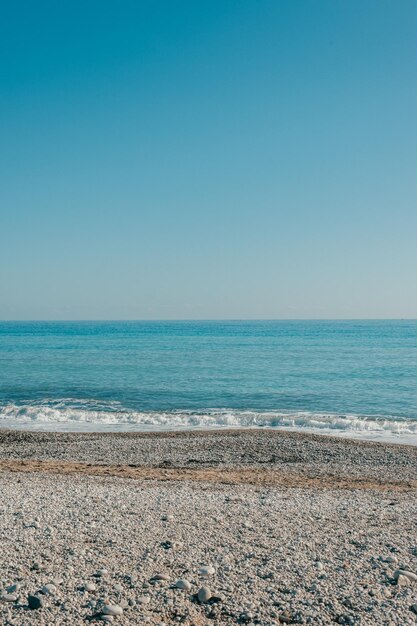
<point x="206" y="528"/>
<point x="311" y="455"/>
<point x="268" y="555"/>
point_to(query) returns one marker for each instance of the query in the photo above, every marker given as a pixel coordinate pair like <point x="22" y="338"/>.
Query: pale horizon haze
<point x="208" y="160"/>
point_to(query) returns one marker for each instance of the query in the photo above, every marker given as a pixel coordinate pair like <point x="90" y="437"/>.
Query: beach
<point x="219" y="527"/>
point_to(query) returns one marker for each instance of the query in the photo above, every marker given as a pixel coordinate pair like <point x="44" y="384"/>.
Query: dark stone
<point x="35" y="602"/>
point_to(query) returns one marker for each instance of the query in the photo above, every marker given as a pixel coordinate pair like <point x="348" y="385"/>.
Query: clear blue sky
<point x="208" y="159"/>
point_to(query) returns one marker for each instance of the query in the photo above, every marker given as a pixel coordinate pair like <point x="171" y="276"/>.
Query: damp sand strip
<point x="238" y="476"/>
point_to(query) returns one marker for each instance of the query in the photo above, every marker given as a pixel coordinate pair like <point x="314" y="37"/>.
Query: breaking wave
<point x="90" y="415"/>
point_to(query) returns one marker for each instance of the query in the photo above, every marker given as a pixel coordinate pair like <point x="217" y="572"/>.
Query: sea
<point x="345" y="378"/>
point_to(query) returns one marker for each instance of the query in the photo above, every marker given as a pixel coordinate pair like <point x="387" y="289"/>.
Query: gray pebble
<point x="402" y="572"/>
<point x="144" y="599"/>
<point x="157" y="577"/>
<point x="112" y="609"/>
<point x="49" y="589"/>
<point x="204" y="595"/>
<point x="9" y="597"/>
<point x="182" y="583"/>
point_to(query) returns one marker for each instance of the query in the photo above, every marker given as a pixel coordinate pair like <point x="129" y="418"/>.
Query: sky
<point x="208" y="159"/>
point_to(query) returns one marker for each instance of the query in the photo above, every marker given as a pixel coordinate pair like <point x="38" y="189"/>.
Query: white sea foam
<point x="89" y="415"/>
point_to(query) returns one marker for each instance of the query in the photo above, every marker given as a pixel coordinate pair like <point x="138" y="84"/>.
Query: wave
<point x="68" y="414"/>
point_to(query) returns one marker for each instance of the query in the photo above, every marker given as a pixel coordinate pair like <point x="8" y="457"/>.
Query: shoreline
<point x="193" y="432"/>
<point x="259" y="456"/>
<point x="378" y="436"/>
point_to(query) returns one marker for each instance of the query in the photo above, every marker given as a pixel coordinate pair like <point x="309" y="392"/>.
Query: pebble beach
<point x="206" y="528"/>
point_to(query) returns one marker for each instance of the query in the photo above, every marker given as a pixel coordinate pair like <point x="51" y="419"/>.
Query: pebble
<point x="112" y="609"/>
<point x="9" y="597"/>
<point x="35" y="602"/>
<point x="247" y="616"/>
<point x="101" y="572"/>
<point x="204" y="595"/>
<point x="13" y="588"/>
<point x="160" y="577"/>
<point x="207" y="570"/>
<point x="403" y="572"/>
<point x="182" y="583"/>
<point x="90" y="587"/>
<point x="403" y="581"/>
<point x="389" y="559"/>
<point x="49" y="589"/>
<point x="107" y="618"/>
<point x="144" y="599"/>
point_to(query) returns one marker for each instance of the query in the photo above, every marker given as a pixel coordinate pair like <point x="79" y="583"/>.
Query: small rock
<point x="35" y="602"/>
<point x="144" y="599"/>
<point x="403" y="581"/>
<point x="49" y="589"/>
<point x="9" y="597"/>
<point x="112" y="609"/>
<point x="13" y="588"/>
<point x="37" y="565"/>
<point x="118" y="587"/>
<point x="107" y="618"/>
<point x="183" y="584"/>
<point x="207" y="570"/>
<point x="413" y="608"/>
<point x="132" y="579"/>
<point x="204" y="595"/>
<point x="160" y="577"/>
<point x="101" y="572"/>
<point x="389" y="559"/>
<point x="90" y="587"/>
<point x="403" y="572"/>
<point x="247" y="616"/>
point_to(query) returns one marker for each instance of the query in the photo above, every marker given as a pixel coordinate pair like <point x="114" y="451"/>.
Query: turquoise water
<point x="357" y="378"/>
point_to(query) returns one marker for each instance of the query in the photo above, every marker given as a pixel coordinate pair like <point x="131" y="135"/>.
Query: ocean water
<point x="348" y="378"/>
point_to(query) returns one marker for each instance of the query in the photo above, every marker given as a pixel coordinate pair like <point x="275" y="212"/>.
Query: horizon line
<point x="214" y="319"/>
